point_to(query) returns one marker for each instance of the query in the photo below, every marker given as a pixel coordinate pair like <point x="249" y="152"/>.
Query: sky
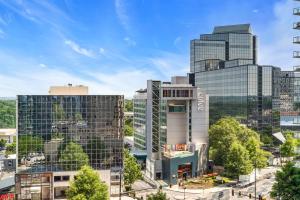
<point x="114" y="46"/>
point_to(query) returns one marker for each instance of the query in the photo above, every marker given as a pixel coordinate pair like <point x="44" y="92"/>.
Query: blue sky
<point x="114" y="46"/>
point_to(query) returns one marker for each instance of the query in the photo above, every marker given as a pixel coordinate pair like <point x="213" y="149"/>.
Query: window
<point x="177" y="108"/>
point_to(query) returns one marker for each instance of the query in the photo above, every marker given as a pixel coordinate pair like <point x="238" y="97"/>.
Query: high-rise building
<point x="224" y="65"/>
<point x="57" y="134"/>
<point x="171" y="124"/>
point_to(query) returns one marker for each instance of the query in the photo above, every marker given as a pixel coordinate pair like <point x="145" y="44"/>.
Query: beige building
<point x="8" y="135"/>
<point x="69" y="90"/>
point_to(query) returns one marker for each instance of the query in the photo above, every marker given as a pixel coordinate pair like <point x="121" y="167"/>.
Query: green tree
<point x="228" y="131"/>
<point x="287" y="185"/>
<point x="7" y="114"/>
<point x="257" y="156"/>
<point x="287" y="149"/>
<point x="87" y="186"/>
<point x="2" y="143"/>
<point x="30" y="144"/>
<point x="238" y="161"/>
<point x="73" y="157"/>
<point x="221" y="136"/>
<point x="128" y="130"/>
<point x="158" y="196"/>
<point x="128" y="105"/>
<point x="11" y="148"/>
<point x="132" y="170"/>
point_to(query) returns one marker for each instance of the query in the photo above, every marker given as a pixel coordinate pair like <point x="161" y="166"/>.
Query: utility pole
<point x="255" y="178"/>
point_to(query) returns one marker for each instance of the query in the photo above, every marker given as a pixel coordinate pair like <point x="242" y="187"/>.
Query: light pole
<point x="184" y="192"/>
<point x="255" y="177"/>
<point x="120" y="189"/>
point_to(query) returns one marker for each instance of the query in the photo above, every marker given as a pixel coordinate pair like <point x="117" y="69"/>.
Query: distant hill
<point x="7" y="113"/>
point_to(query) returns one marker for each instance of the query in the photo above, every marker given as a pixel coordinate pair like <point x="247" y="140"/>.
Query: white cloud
<point x="170" y="64"/>
<point x="75" y="47"/>
<point x="122" y="14"/>
<point x="276" y="47"/>
<point x="255" y="10"/>
<point x="42" y="65"/>
<point x="101" y="51"/>
<point x="177" y="40"/>
<point x="2" y="34"/>
<point x="30" y="79"/>
<point x="129" y="41"/>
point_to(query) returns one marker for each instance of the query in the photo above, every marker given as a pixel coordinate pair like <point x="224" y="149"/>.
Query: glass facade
<point x="290" y="100"/>
<point x="139" y="122"/>
<point x="236" y="86"/>
<point x="55" y="131"/>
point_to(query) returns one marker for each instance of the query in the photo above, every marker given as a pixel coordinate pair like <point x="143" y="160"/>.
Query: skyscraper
<point x="224" y="65"/>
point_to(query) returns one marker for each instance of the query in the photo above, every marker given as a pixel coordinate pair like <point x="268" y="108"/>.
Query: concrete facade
<point x="176" y="120"/>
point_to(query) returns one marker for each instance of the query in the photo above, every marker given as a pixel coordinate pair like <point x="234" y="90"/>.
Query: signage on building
<point x="9" y="196"/>
<point x="200" y="100"/>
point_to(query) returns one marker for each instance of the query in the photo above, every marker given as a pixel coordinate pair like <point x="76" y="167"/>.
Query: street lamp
<point x="184" y="192"/>
<point x="120" y="189"/>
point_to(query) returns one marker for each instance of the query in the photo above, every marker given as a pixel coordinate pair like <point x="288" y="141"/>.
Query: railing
<point x="296" y="25"/>
<point x="296" y="54"/>
<point x="296" y="11"/>
<point x="296" y="39"/>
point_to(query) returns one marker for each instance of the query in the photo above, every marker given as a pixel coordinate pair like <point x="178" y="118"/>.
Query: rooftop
<point x="239" y="28"/>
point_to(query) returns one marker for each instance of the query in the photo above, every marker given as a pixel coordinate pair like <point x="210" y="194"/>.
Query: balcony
<point x="296" y="25"/>
<point x="296" y="40"/>
<point x="296" y="54"/>
<point x="296" y="11"/>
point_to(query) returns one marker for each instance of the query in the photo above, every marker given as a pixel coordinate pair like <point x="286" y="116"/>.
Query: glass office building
<point x="290" y="101"/>
<point x="58" y="134"/>
<point x="224" y="65"/>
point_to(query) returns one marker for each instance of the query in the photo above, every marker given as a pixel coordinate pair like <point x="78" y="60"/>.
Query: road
<point x="263" y="187"/>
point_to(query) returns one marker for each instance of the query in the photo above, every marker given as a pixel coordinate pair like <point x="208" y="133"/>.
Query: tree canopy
<point x="2" y="143"/>
<point x="7" y="114"/>
<point x="287" y="185"/>
<point x="87" y="186"/>
<point x="132" y="170"/>
<point x="11" y="148"/>
<point x="128" y="105"/>
<point x="287" y="149"/>
<point x="73" y="157"/>
<point x="227" y="137"/>
<point x="238" y="161"/>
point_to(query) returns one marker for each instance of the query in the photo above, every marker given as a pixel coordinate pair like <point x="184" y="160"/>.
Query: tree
<point x="228" y="132"/>
<point x="132" y="170"/>
<point x="73" y="157"/>
<point x="128" y="130"/>
<point x="2" y="143"/>
<point x="11" y="148"/>
<point x="128" y="105"/>
<point x="87" y="186"/>
<point x="158" y="196"/>
<point x="287" y="185"/>
<point x="258" y="157"/>
<point x="287" y="149"/>
<point x="238" y="161"/>
<point x="7" y="114"/>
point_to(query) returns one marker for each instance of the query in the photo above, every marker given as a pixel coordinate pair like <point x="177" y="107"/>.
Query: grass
<point x="205" y="182"/>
